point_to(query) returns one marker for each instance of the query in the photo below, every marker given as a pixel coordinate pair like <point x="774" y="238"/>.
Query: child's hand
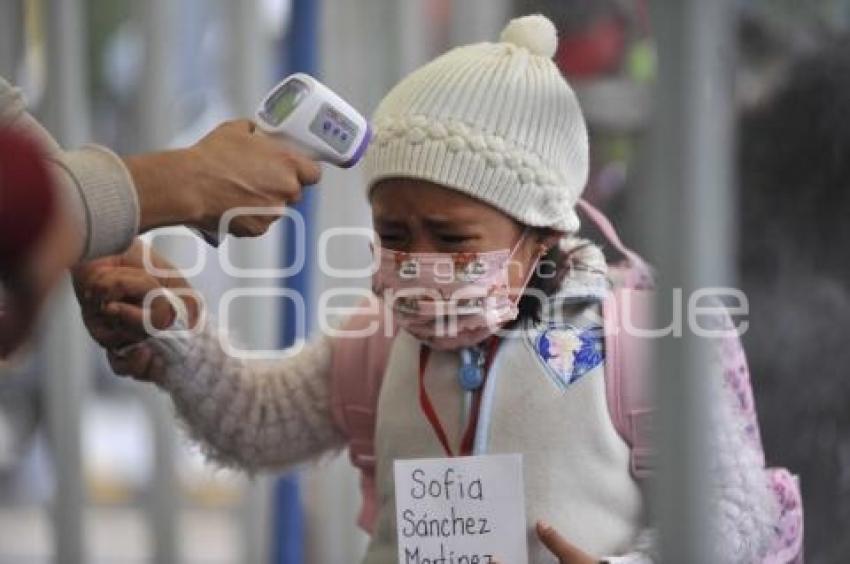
<point x="565" y="552"/>
<point x="111" y="292"/>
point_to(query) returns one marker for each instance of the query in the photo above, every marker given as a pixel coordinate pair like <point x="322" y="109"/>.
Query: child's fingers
<point x="560" y="547"/>
<point x="136" y="362"/>
<point x="140" y="363"/>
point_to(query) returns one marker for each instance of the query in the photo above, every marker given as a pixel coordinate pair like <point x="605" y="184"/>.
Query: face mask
<point x="448" y="300"/>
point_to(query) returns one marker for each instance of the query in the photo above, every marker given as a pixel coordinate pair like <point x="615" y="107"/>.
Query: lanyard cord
<point x="431" y="414"/>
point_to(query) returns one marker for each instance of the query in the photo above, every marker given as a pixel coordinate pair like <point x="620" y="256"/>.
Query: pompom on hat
<point x="496" y="121"/>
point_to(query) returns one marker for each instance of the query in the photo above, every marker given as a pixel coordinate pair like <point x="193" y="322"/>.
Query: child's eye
<point x="391" y="239"/>
<point x="453" y="239"/>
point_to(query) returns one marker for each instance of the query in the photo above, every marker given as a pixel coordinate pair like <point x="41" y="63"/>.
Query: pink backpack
<point x="355" y="399"/>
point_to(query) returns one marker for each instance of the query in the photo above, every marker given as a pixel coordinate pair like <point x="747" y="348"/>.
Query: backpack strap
<point x="361" y="344"/>
<point x="627" y="373"/>
<point x="627" y="306"/>
<point x="638" y="274"/>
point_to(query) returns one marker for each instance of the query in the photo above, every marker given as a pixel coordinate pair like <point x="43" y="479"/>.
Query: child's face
<point x="422" y="217"/>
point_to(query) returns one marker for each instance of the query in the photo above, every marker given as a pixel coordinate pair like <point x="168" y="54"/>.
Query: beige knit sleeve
<point x="253" y="415"/>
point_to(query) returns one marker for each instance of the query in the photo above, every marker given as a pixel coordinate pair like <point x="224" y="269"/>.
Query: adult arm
<point x="93" y="183"/>
<point x="111" y="198"/>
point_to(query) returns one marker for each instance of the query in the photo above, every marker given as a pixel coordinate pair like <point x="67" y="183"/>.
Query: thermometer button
<point x="334" y="129"/>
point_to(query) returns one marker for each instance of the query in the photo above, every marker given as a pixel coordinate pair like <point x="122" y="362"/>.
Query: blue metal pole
<point x="300" y="55"/>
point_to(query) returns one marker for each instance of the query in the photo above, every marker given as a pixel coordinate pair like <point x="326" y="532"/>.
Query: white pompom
<point x="536" y="33"/>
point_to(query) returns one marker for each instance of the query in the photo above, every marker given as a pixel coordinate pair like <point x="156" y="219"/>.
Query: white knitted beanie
<point x="496" y="121"/>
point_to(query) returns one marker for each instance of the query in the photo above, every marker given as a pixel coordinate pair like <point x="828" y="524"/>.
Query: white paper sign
<point x="466" y="510"/>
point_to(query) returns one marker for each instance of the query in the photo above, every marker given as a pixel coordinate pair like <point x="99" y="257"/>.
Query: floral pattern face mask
<point x="449" y="300"/>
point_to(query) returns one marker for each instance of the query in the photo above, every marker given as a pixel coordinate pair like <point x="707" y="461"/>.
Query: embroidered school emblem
<point x="570" y="352"/>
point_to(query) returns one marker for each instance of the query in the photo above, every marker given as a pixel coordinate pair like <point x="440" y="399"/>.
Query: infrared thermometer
<point x="302" y="112"/>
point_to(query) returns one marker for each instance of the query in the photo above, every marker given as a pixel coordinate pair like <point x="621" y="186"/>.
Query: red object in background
<point x="27" y="198"/>
<point x="595" y="50"/>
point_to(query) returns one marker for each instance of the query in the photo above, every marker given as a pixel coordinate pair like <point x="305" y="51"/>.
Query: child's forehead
<point x="418" y="187"/>
<point x="403" y="197"/>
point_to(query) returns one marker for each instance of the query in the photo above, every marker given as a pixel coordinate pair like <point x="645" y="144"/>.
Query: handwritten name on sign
<point x="466" y="510"/>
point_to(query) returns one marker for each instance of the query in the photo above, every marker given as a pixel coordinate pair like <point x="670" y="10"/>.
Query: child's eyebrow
<point x="390" y="223"/>
<point x="443" y="222"/>
<point x="431" y="222"/>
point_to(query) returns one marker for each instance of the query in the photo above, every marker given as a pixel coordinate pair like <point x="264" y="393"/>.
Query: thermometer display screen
<point x="282" y="102"/>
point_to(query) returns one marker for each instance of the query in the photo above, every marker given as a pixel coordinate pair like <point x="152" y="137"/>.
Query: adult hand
<point x="233" y="166"/>
<point x="111" y="292"/>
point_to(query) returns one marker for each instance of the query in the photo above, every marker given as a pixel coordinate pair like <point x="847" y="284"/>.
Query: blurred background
<point x="94" y="469"/>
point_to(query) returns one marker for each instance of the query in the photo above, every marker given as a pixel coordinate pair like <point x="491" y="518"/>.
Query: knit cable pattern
<point x="458" y="136"/>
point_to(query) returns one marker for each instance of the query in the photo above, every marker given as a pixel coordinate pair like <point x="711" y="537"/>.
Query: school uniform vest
<point x="575" y="463"/>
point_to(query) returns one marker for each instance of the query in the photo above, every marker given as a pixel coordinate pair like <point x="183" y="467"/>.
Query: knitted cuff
<point x="109" y="197"/>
